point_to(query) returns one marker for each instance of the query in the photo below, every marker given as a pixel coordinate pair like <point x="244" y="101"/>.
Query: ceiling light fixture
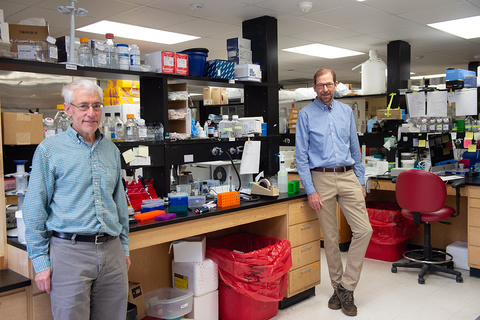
<point x="138" y="33"/>
<point x="196" y="6"/>
<point x="305" y="6"/>
<point x="466" y="28"/>
<point x="323" y="51"/>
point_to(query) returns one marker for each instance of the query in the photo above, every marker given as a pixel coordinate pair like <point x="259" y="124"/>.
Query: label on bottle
<point x="142" y="133"/>
<point x="134" y="59"/>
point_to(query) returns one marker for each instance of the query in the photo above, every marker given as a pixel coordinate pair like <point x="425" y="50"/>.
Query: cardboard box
<point x="135" y="296"/>
<point x="391" y="114"/>
<point x="220" y="69"/>
<point x="161" y="61"/>
<point x="22" y="128"/>
<point x="168" y="62"/>
<point x="239" y="43"/>
<point x="248" y="72"/>
<point x="121" y="92"/>
<point x="4" y="34"/>
<point x="214" y="96"/>
<point x="123" y="84"/>
<point x="181" y="63"/>
<point x="189" y="249"/>
<point x="205" y="307"/>
<point x="113" y="101"/>
<point x="207" y="96"/>
<point x="25" y="32"/>
<point x="459" y="74"/>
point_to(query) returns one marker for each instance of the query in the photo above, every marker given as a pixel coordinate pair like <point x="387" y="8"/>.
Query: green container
<point x="293" y="187"/>
<point x="460" y="125"/>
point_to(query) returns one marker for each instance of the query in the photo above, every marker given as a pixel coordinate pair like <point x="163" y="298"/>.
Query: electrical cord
<point x="236" y="171"/>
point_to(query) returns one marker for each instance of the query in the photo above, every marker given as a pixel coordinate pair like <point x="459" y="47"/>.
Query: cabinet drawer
<point x="474" y="256"/>
<point x="14" y="306"/>
<point x="300" y="212"/>
<point x="305" y="254"/>
<point x="41" y="307"/>
<point x="474" y="236"/>
<point x="303" y="233"/>
<point x="303" y="278"/>
<point x="473" y="203"/>
<point x="474" y="217"/>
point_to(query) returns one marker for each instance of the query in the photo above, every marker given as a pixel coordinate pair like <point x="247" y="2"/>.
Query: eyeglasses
<point x="85" y="106"/>
<point x="327" y="85"/>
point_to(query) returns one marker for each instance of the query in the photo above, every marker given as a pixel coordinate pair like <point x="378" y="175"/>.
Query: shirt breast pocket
<point x="110" y="178"/>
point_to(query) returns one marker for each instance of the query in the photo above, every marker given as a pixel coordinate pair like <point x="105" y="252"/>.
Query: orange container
<point x="228" y="199"/>
<point x="148" y="215"/>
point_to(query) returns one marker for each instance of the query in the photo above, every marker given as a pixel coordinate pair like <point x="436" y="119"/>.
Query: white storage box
<point x="248" y="72"/>
<point x="168" y="303"/>
<point x="205" y="307"/>
<point x="189" y="249"/>
<point x="199" y="277"/>
<point x="459" y="251"/>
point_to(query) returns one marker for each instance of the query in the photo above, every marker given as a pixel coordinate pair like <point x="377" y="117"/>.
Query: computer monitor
<point x="441" y="152"/>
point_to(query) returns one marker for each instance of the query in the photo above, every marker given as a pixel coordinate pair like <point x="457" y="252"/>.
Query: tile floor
<point x="383" y="295"/>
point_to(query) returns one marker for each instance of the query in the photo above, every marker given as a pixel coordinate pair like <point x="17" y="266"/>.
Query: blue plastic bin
<point x="196" y="62"/>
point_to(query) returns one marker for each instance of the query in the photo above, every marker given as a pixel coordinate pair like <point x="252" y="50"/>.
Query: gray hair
<point x="87" y="85"/>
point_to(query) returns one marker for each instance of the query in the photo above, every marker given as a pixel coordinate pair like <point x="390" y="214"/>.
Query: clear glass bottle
<point x="211" y="126"/>
<point x="48" y="127"/>
<point x="118" y="132"/>
<point x="432" y="125"/>
<point x="111" y="51"/>
<point x="131" y="129"/>
<point x="61" y="119"/>
<point x="439" y="126"/>
<point x="446" y="125"/>
<point x="99" y="54"/>
<point x="424" y="125"/>
<point x="159" y="132"/>
<point x="85" y="53"/>
<point x="150" y="131"/>
<point x="225" y="127"/>
<point x="107" y="126"/>
<point x="469" y="124"/>
<point x="52" y="56"/>
<point x="134" y="58"/>
<point x="475" y="125"/>
<point x="142" y="130"/>
<point x="237" y="126"/>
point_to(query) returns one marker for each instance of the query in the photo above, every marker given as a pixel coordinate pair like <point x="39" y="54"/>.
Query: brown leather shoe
<point x="334" y="302"/>
<point x="347" y="301"/>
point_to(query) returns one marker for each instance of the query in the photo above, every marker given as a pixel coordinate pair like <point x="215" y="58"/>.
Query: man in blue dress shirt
<point x="329" y="163"/>
<point x="76" y="215"/>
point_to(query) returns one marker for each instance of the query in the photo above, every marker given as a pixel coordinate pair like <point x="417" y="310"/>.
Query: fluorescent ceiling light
<point x="441" y="75"/>
<point x="467" y="28"/>
<point x="323" y="51"/>
<point x="135" y="32"/>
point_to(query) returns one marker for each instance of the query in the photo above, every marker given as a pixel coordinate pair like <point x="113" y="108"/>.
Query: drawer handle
<point x="306" y="270"/>
<point x="307" y="248"/>
<point x="304" y="205"/>
<point x="306" y="227"/>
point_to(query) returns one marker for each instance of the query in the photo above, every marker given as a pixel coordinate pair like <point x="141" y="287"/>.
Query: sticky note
<point x="128" y="156"/>
<point x="468" y="135"/>
<point x="445" y="138"/>
<point x="446" y="151"/>
<point x="472" y="148"/>
<point x="421" y="143"/>
<point x="466" y="143"/>
<point x="143" y="151"/>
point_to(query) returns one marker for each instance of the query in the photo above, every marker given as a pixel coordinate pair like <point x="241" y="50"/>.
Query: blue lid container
<point x="197" y="59"/>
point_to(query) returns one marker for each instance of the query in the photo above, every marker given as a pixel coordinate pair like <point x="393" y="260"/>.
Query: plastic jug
<point x="374" y="75"/>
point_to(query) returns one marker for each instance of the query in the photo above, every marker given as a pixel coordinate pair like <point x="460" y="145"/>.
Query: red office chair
<point x="421" y="195"/>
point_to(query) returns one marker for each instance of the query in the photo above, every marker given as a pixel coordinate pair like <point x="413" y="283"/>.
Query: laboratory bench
<point x="287" y="217"/>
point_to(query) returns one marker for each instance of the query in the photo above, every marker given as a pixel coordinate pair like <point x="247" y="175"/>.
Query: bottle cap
<point x="235" y="116"/>
<point x="117" y="114"/>
<point x="49" y="121"/>
<point x="109" y="36"/>
<point x="130" y="116"/>
<point x="83" y="40"/>
<point x="60" y="106"/>
<point x="225" y="117"/>
<point x="108" y="114"/>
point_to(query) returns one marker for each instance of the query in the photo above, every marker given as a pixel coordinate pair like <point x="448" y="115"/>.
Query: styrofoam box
<point x="205" y="307"/>
<point x="199" y="277"/>
<point x="459" y="251"/>
<point x="189" y="249"/>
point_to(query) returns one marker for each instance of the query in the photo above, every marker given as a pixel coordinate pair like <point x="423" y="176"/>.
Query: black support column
<point x="398" y="68"/>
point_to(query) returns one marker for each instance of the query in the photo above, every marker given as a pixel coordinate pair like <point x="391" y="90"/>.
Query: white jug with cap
<point x="374" y="75"/>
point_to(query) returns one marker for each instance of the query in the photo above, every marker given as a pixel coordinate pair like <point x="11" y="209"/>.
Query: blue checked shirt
<point x="326" y="138"/>
<point x="74" y="188"/>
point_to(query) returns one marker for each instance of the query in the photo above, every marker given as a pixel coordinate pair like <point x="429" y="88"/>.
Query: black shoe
<point x="334" y="302"/>
<point x="346" y="299"/>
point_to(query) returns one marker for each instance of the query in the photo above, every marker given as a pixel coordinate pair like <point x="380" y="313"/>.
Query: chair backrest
<point x="420" y="191"/>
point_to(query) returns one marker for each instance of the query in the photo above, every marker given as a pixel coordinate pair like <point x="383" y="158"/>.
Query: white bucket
<point x="20" y="227"/>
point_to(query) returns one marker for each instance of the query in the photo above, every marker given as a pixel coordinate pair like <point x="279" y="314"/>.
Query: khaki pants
<point x="344" y="188"/>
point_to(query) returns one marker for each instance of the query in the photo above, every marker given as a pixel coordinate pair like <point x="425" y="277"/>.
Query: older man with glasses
<point x="76" y="215"/>
<point x="329" y="163"/>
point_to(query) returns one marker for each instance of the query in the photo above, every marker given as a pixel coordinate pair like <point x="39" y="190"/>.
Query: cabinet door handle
<point x="306" y="270"/>
<point x="304" y="205"/>
<point x="307" y="248"/>
<point x="306" y="227"/>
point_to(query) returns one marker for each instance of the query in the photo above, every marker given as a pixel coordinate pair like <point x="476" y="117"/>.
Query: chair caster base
<point x="394" y="269"/>
<point x="421" y="280"/>
<point x="459" y="279"/>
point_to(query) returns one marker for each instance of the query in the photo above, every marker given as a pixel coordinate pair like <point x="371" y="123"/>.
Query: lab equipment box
<point x="135" y="296"/>
<point x="205" y="307"/>
<point x="189" y="249"/>
<point x="198" y="277"/>
<point x="459" y="251"/>
<point x="220" y="69"/>
<point x="22" y="128"/>
<point x="459" y="74"/>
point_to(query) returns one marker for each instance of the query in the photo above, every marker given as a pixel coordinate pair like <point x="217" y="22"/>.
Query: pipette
<point x="142" y="181"/>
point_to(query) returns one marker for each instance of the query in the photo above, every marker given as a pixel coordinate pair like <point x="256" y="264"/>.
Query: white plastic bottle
<point x="142" y="130"/>
<point x="48" y="127"/>
<point x="131" y="129"/>
<point x="374" y="76"/>
<point x="111" y="51"/>
<point x="118" y="131"/>
<point x="85" y="53"/>
<point x="225" y="127"/>
<point x="107" y="125"/>
<point x="123" y="56"/>
<point x="134" y="58"/>
<point x="237" y="126"/>
<point x="61" y="119"/>
<point x="282" y="175"/>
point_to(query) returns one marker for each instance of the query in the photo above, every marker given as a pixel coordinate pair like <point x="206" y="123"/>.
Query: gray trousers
<point x="344" y="188"/>
<point x="88" y="281"/>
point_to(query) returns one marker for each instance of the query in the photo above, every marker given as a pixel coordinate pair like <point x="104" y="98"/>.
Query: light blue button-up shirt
<point x="74" y="188"/>
<point x="326" y="138"/>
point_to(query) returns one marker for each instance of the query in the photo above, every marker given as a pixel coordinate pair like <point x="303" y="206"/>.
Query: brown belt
<point x="339" y="169"/>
